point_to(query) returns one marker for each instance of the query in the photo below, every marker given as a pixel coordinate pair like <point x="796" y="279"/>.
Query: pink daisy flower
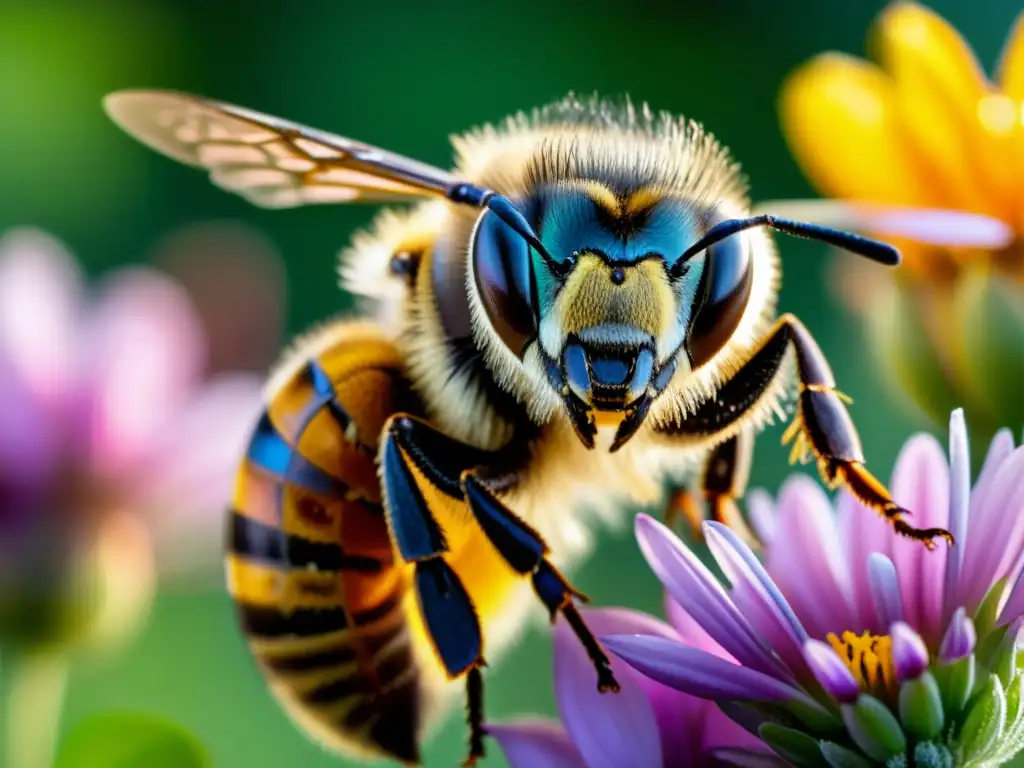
<point x="116" y="454"/>
<point x="850" y="646"/>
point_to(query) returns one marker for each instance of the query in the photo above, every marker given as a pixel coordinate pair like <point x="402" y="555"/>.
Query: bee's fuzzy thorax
<point x="624" y="147"/>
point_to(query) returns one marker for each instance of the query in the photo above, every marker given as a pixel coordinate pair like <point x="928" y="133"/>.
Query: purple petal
<point x="696" y="672"/>
<point x="959" y="506"/>
<point x="536" y="744"/>
<point x="145" y="352"/>
<point x="30" y="445"/>
<point x="1011" y="481"/>
<point x="762" y="516"/>
<point x="690" y="631"/>
<point x="701" y="595"/>
<point x="807" y="563"/>
<point x="192" y="471"/>
<point x="607" y="729"/>
<point x="680" y="718"/>
<point x="756" y="595"/>
<point x="999" y="450"/>
<point x="863" y="531"/>
<point x="40" y="301"/>
<point x="1014" y="607"/>
<point x="721" y="731"/>
<point x="935" y="226"/>
<point x="920" y="483"/>
<point x="885" y="590"/>
<point x="690" y="726"/>
<point x="909" y="654"/>
<point x="973" y="586"/>
<point x="997" y="530"/>
<point x="831" y="672"/>
<point x="942" y="227"/>
<point x="960" y="638"/>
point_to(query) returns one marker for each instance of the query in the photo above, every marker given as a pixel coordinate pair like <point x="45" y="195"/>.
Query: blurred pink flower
<point x="644" y="725"/>
<point x="114" y="449"/>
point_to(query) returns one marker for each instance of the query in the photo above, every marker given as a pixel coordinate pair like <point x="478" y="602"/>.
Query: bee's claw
<point x="606" y="682"/>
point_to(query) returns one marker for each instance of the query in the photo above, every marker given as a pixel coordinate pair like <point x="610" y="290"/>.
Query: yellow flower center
<point x="869" y="658"/>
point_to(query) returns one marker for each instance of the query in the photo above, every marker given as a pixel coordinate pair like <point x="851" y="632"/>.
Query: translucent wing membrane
<point x="271" y="162"/>
<point x="924" y="225"/>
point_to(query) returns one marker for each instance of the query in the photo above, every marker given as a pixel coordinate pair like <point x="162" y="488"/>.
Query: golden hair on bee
<point x="582" y="308"/>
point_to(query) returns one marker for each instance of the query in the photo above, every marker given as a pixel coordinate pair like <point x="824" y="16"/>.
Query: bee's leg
<point x="525" y="551"/>
<point x="722" y="480"/>
<point x="447" y="609"/>
<point x="475" y="714"/>
<point x="454" y="469"/>
<point x="822" y="426"/>
<point x="417" y="462"/>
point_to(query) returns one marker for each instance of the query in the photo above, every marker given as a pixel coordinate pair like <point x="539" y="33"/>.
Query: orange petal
<point x="839" y="118"/>
<point x="1011" y="62"/>
<point x="1011" y="80"/>
<point x="942" y="95"/>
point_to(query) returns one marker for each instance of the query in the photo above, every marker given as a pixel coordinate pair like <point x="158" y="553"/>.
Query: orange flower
<point x="924" y="150"/>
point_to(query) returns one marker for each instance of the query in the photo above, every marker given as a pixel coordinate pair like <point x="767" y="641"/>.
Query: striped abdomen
<point x="309" y="560"/>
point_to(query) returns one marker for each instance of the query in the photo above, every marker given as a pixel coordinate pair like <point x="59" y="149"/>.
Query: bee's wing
<point x="271" y="162"/>
<point x="925" y="225"/>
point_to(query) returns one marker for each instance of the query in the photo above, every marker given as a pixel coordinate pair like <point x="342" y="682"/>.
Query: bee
<point x="584" y="306"/>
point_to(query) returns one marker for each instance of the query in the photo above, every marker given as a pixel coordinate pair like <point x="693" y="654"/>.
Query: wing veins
<point x="202" y="132"/>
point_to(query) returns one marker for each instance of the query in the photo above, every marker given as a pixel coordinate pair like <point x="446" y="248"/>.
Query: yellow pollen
<point x="869" y="658"/>
<point x="998" y="113"/>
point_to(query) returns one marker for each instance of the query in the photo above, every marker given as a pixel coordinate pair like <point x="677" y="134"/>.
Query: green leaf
<point x="921" y="707"/>
<point x="985" y="720"/>
<point x="130" y="740"/>
<point x="792" y="745"/>
<point x="841" y="757"/>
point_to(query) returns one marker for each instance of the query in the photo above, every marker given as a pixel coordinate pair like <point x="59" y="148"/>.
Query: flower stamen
<point x="869" y="659"/>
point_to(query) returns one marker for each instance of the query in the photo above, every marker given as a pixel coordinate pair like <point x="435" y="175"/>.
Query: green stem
<point x="36" y="684"/>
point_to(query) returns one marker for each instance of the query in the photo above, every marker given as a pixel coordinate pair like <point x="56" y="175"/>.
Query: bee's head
<point x="610" y="297"/>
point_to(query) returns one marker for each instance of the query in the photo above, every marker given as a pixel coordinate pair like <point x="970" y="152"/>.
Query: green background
<point x="403" y="75"/>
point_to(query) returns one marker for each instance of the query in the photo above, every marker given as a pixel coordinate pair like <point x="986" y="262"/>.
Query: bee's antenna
<point x="478" y="197"/>
<point x="862" y="246"/>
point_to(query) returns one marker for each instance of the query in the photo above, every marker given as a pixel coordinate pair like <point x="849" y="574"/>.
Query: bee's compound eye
<point x="503" y="276"/>
<point x="721" y="298"/>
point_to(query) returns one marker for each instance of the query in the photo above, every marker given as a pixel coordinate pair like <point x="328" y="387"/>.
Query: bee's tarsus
<point x="606" y="681"/>
<point x="475" y="714"/>
<point x="926" y="536"/>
